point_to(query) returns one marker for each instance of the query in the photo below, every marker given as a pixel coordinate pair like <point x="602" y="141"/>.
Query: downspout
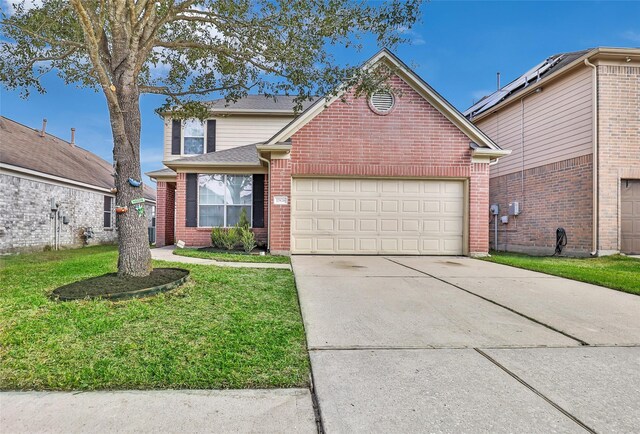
<point x="261" y="158"/>
<point x="595" y="157"/>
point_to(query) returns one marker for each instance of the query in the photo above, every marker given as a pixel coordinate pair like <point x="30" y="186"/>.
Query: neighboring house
<point x="576" y="158"/>
<point x="52" y="192"/>
<point x="401" y="173"/>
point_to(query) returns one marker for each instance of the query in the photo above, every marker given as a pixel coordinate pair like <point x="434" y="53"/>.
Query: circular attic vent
<point x="382" y="102"/>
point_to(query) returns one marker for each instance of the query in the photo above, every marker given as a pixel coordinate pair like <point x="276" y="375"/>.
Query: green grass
<point x="231" y="257"/>
<point x="226" y="328"/>
<point x="616" y="272"/>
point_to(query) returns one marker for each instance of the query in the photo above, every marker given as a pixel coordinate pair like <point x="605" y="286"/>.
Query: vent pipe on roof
<point x="73" y="136"/>
<point x="44" y="127"/>
<point x="498" y="80"/>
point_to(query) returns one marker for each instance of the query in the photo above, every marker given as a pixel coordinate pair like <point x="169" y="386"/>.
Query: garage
<point x="630" y="216"/>
<point x="377" y="216"/>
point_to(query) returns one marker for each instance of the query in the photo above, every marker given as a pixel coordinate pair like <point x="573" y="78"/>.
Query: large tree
<point x="187" y="49"/>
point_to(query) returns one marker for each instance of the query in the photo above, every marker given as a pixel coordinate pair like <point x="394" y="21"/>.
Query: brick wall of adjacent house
<point x="165" y="197"/>
<point x="200" y="237"/>
<point x="551" y="196"/>
<point x="619" y="144"/>
<point x="25" y="219"/>
<point x="349" y="139"/>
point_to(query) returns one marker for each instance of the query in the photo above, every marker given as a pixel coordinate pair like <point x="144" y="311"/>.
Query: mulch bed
<point x="255" y="251"/>
<point x="110" y="286"/>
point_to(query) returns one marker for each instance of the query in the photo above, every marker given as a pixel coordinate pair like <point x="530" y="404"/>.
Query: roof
<point x="257" y="104"/>
<point x="160" y="172"/>
<point x="24" y="147"/>
<point x="416" y="82"/>
<point x="547" y="67"/>
<point x="240" y="156"/>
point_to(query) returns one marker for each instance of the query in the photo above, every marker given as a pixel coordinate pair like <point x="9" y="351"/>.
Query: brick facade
<point x="619" y="145"/>
<point x="552" y="196"/>
<point x="166" y="196"/>
<point x="413" y="141"/>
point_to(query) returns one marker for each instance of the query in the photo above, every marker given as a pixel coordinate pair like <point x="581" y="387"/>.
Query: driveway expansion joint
<point x="536" y="391"/>
<point x="580" y="341"/>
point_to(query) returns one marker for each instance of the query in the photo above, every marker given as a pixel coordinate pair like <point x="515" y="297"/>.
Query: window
<point x="108" y="211"/>
<point x="193" y="137"/>
<point x="221" y="199"/>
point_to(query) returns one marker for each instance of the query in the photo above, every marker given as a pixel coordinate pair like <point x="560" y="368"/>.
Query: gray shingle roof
<point x="23" y="147"/>
<point x="160" y="172"/>
<point x="257" y="103"/>
<point x="557" y="62"/>
<point x="242" y="155"/>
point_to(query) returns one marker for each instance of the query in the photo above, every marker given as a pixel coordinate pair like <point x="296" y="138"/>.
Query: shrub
<point x="217" y="236"/>
<point x="247" y="239"/>
<point x="230" y="238"/>
<point x="243" y="220"/>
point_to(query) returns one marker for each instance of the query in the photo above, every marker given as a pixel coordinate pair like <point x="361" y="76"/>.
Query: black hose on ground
<point x="561" y="240"/>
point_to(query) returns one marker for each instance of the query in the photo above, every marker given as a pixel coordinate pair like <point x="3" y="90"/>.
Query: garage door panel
<point x="366" y="216"/>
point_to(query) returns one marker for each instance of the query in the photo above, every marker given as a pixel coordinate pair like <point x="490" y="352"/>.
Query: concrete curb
<point x="166" y="254"/>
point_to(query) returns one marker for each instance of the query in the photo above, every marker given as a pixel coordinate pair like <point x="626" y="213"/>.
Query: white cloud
<point x="632" y="36"/>
<point x="414" y="37"/>
<point x="478" y="94"/>
<point x="150" y="156"/>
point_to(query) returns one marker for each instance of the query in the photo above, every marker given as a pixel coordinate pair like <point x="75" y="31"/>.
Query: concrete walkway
<point x="433" y="344"/>
<point x="169" y="411"/>
<point x="166" y="254"/>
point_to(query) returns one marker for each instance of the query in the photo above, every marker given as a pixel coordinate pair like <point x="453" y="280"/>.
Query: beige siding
<point x="234" y="131"/>
<point x="558" y="125"/>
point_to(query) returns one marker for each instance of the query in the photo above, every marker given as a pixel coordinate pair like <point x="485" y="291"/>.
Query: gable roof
<point x="246" y="155"/>
<point x="547" y="67"/>
<point x="24" y="147"/>
<point x="411" y="78"/>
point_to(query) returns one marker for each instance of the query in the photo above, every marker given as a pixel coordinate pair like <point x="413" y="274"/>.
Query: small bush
<point x="230" y="238"/>
<point x="217" y="237"/>
<point x="243" y="220"/>
<point x="248" y="240"/>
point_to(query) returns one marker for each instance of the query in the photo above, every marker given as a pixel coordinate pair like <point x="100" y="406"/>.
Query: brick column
<point x="280" y="220"/>
<point x="164" y="215"/>
<point x="479" y="209"/>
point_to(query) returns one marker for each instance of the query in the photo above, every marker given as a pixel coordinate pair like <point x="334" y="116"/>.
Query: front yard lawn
<point x="226" y="328"/>
<point x="231" y="256"/>
<point x="616" y="272"/>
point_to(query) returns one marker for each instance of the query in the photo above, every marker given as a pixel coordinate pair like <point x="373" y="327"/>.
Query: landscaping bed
<point x="110" y="286"/>
<point x="615" y="272"/>
<point x="231" y="255"/>
<point x="224" y="328"/>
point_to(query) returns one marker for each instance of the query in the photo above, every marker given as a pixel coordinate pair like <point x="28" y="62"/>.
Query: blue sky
<point x="458" y="48"/>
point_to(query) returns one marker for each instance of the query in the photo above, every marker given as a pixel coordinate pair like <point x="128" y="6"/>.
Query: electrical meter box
<point x="514" y="208"/>
<point x="494" y="209"/>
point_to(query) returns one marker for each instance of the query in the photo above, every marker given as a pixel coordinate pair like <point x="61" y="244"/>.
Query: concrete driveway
<point x="450" y="344"/>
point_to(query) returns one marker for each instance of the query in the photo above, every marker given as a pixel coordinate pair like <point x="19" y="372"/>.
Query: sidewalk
<point x="166" y="254"/>
<point x="166" y="411"/>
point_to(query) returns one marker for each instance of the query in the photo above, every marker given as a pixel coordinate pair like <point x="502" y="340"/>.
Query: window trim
<point x="105" y="211"/>
<point x="204" y="137"/>
<point x="224" y="205"/>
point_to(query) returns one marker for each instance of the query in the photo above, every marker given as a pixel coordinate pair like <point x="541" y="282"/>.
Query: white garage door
<point x="376" y="216"/>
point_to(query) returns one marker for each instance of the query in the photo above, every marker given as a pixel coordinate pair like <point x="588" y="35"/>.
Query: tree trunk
<point x="134" y="258"/>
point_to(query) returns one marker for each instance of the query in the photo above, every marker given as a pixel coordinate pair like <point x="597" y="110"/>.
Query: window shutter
<point x="192" y="200"/>
<point x="258" y="201"/>
<point x="176" y="132"/>
<point x="211" y="136"/>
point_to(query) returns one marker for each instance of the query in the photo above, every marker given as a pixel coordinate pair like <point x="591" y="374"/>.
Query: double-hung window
<point x="221" y="199"/>
<point x="108" y="211"/>
<point x="193" y="137"/>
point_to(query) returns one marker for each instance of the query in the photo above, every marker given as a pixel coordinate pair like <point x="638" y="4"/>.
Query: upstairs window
<point x="221" y="199"/>
<point x="192" y="137"/>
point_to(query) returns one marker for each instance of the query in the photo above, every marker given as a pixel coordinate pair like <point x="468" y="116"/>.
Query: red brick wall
<point x="555" y="195"/>
<point x="619" y="145"/>
<point x="165" y="211"/>
<point x="200" y="237"/>
<point x="414" y="140"/>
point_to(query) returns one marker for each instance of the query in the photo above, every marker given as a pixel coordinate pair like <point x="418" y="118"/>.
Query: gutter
<point x="595" y="157"/>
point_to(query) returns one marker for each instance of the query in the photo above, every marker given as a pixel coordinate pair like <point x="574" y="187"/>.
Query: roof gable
<point x="385" y="57"/>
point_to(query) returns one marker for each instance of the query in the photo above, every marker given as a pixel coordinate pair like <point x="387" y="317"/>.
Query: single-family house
<point x="400" y="172"/>
<point x="53" y="193"/>
<point x="573" y="125"/>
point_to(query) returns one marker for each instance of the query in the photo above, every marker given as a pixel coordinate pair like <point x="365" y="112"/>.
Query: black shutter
<point x="211" y="136"/>
<point x="192" y="200"/>
<point x="176" y="133"/>
<point x="258" y="201"/>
